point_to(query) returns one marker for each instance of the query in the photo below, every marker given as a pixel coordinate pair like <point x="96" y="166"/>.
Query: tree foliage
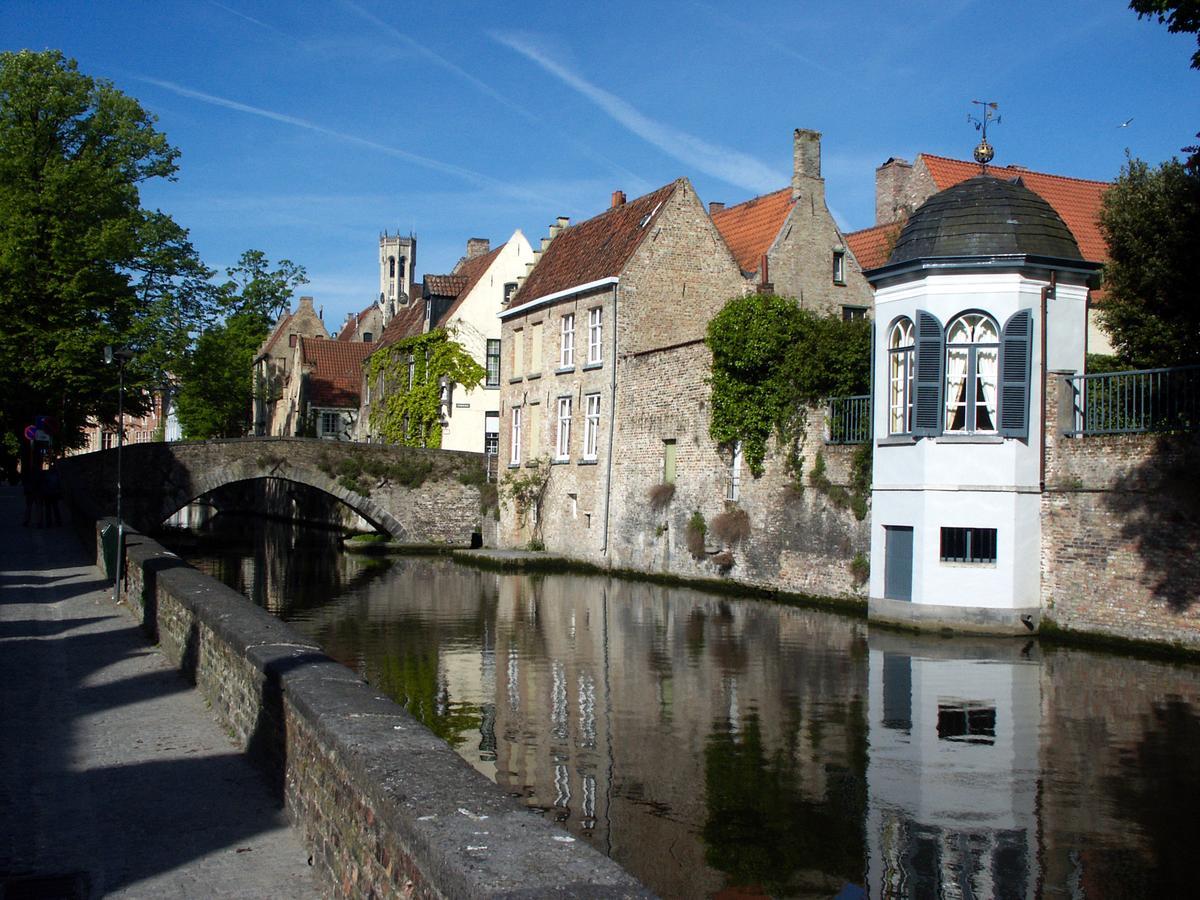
<point x="82" y="264"/>
<point x="410" y="373"/>
<point x="1181" y="17"/>
<point x="772" y="359"/>
<point x="217" y="391"/>
<point x="1151" y="219"/>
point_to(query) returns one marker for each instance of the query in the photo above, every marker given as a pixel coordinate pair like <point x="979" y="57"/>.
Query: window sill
<point x="969" y="439"/>
<point x="533" y="375"/>
<point x="491" y="387"/>
<point x="559" y="462"/>
<point x="516" y="380"/>
<point x="514" y="465"/>
<point x="596" y="365"/>
<point x="565" y="370"/>
<point x="896" y="440"/>
<point x="961" y="564"/>
<point x="587" y="462"/>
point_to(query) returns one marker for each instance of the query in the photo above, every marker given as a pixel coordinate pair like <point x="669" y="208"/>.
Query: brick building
<point x="323" y="391"/>
<point x="465" y="302"/>
<point x="273" y="369"/>
<point x="787" y="243"/>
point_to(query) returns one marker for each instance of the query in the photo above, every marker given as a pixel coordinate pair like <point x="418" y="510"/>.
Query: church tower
<point x="397" y="259"/>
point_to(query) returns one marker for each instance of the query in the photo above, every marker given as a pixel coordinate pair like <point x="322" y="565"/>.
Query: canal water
<point x="738" y="748"/>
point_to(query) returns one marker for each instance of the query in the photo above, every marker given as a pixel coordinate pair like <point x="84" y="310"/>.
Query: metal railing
<point x="848" y="420"/>
<point x="1136" y="402"/>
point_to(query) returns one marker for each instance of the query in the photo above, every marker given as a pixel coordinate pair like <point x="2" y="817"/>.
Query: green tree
<point x="81" y="263"/>
<point x="770" y="360"/>
<point x="1150" y="219"/>
<point x="217" y="390"/>
<point x="1182" y="17"/>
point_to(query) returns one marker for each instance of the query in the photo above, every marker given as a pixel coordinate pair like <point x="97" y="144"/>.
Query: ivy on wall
<point x="410" y="372"/>
<point x="771" y="360"/>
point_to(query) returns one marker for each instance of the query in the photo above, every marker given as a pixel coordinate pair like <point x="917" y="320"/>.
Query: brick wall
<point x="1121" y="532"/>
<point x="386" y="808"/>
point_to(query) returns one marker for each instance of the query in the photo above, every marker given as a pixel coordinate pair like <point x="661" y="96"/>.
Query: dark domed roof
<point x="984" y="216"/>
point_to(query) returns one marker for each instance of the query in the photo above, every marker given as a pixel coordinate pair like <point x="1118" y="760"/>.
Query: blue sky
<point x="306" y="128"/>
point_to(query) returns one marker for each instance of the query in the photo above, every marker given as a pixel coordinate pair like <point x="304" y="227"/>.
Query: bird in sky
<point x="1125" y="124"/>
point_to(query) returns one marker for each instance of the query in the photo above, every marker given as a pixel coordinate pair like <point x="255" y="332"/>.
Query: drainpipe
<point x="1047" y="292"/>
<point x="612" y="421"/>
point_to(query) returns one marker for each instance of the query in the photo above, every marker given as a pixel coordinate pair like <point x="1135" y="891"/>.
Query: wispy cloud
<point x="465" y="174"/>
<point x="729" y="165"/>
<point x="762" y="38"/>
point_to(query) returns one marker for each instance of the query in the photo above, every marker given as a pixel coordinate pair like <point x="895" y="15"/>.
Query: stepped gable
<point x="336" y="372"/>
<point x="595" y="249"/>
<point x="750" y="228"/>
<point x="985" y="216"/>
<point x="1078" y="201"/>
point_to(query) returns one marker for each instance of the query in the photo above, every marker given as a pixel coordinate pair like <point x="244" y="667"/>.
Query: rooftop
<point x="750" y="228"/>
<point x="336" y="372"/>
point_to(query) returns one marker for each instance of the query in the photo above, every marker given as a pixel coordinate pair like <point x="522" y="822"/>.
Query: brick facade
<point x="1121" y="532"/>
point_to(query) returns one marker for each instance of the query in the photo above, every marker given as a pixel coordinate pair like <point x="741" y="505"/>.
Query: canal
<point x="725" y="747"/>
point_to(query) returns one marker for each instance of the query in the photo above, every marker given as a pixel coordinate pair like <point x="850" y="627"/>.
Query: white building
<point x="984" y="292"/>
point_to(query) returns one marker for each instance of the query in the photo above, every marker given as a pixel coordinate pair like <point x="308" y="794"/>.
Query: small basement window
<point x="967" y="722"/>
<point x="969" y="545"/>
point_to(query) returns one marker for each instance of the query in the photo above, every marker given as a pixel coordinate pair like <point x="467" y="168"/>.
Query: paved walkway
<point x="115" y="780"/>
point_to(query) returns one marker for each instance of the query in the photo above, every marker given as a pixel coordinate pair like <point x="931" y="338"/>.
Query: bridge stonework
<point x="158" y="479"/>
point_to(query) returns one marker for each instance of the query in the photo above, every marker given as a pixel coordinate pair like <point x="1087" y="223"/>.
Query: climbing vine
<point x="410" y="372"/>
<point x="771" y="361"/>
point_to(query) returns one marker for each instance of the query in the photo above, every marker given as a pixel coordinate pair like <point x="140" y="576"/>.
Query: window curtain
<point x="956" y="388"/>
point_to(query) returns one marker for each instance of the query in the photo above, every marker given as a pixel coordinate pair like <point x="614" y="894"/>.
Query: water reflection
<point x="735" y="748"/>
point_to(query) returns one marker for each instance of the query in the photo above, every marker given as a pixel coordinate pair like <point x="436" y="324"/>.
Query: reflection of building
<point x="954" y="775"/>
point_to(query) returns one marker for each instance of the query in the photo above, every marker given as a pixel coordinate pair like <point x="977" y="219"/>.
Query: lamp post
<point x="121" y="356"/>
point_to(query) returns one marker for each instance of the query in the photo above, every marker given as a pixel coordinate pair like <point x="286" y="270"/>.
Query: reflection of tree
<point x="1157" y="789"/>
<point x="762" y="831"/>
<point x="409" y="672"/>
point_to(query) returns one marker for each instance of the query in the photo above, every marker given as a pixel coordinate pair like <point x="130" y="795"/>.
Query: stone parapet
<point x="386" y="808"/>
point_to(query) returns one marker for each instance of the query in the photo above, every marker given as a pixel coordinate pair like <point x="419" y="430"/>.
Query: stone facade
<point x="273" y="369"/>
<point x="1120" y="532"/>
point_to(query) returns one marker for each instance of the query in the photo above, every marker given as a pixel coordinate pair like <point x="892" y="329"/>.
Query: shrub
<point x="660" y="496"/>
<point x="732" y="526"/>
<point x="695" y="534"/>
<point x="723" y="560"/>
<point x="860" y="569"/>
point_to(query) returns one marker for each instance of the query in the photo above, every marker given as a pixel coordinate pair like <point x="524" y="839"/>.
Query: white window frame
<point x="566" y="355"/>
<point x="901" y="349"/>
<point x="735" y="473"/>
<point x="515" y="454"/>
<point x="591" y="426"/>
<point x="596" y="334"/>
<point x="977" y="369"/>
<point x="839" y="266"/>
<point x="563" y="447"/>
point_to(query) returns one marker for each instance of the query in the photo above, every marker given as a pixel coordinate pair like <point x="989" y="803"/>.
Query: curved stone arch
<point x="210" y="479"/>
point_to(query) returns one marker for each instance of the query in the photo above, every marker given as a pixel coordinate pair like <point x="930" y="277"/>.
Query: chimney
<point x="806" y="158"/>
<point x="892" y="200"/>
<point x="715" y="207"/>
<point x="618" y="199"/>
<point x="306" y="303"/>
<point x="478" y="247"/>
<point x="765" y="285"/>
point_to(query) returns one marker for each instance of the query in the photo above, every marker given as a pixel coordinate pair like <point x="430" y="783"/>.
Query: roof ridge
<point x="1017" y="168"/>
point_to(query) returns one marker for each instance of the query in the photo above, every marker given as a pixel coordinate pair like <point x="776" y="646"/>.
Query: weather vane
<point x="984" y="152"/>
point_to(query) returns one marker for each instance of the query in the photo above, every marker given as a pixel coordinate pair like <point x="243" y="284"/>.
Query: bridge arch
<point x="442" y="507"/>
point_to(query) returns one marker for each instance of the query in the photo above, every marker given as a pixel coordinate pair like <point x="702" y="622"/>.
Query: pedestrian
<point x="50" y="494"/>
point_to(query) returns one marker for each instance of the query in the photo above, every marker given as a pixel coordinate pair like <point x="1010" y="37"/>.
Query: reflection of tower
<point x="953" y="775"/>
<point x="397" y="258"/>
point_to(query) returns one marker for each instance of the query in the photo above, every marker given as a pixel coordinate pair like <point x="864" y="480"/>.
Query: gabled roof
<point x="1077" y="200"/>
<point x="872" y="246"/>
<point x="750" y="228"/>
<point x="336" y="371"/>
<point x="592" y="250"/>
<point x="408" y="321"/>
<point x="444" y="285"/>
<point x="350" y="329"/>
<point x="471" y="270"/>
<point x="280" y="327"/>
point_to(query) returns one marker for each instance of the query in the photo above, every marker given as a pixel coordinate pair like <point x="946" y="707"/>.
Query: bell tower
<point x="397" y="259"/>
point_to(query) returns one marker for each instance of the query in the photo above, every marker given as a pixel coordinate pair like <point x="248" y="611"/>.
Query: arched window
<point x="900" y="377"/>
<point x="972" y="357"/>
<point x="402" y="268"/>
<point x="391" y="267"/>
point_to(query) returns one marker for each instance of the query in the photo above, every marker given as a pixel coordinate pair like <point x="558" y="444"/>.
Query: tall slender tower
<point x="397" y="260"/>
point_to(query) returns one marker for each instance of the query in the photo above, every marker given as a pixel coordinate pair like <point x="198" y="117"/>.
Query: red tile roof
<point x="351" y="327"/>
<point x="445" y="285"/>
<point x="592" y="250"/>
<point x="336" y="374"/>
<point x="472" y="270"/>
<point x="872" y="246"/>
<point x="750" y="228"/>
<point x="1077" y="200"/>
<point x="408" y="321"/>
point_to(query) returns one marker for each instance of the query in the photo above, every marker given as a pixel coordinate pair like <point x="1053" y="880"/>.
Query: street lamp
<point x="121" y="356"/>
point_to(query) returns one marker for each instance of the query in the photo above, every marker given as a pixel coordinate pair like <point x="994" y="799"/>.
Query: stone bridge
<point x="418" y="496"/>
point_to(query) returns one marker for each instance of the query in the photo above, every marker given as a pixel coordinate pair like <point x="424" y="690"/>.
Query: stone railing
<point x="386" y="808"/>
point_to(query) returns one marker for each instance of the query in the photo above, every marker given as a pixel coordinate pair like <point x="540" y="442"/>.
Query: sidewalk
<point x="115" y="780"/>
